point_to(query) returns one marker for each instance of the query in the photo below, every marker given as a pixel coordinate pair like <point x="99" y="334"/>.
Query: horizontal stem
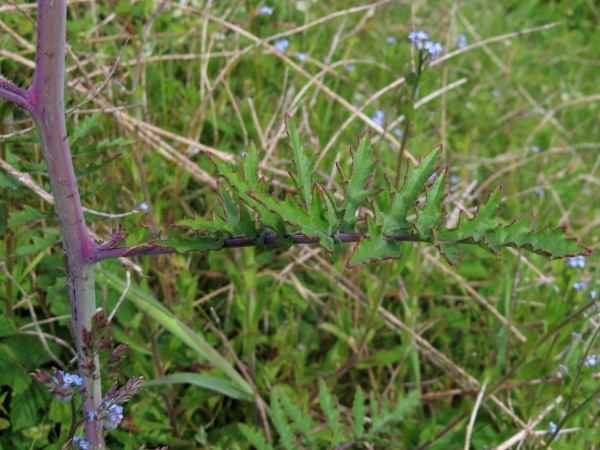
<point x="152" y="248"/>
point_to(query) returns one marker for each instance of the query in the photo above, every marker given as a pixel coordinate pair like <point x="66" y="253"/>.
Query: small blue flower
<point x="301" y="56"/>
<point x="579" y="285"/>
<point x="390" y="39"/>
<point x="72" y="380"/>
<point x="265" y="10"/>
<point x="591" y="361"/>
<point x="114" y="417"/>
<point x="110" y="417"/>
<point x="143" y="207"/>
<point x="301" y="347"/>
<point x="453" y="179"/>
<point x="539" y="191"/>
<point x="78" y="443"/>
<point x="350" y="67"/>
<point x="378" y="117"/>
<point x="534" y="149"/>
<point x="495" y="93"/>
<point x="434" y="49"/>
<point x="244" y="154"/>
<point x="281" y="45"/>
<point x="553" y="428"/>
<point x="577" y="261"/>
<point x="462" y="40"/>
<point x="417" y="38"/>
<point x="592" y="295"/>
<point x="432" y="178"/>
<point x="398" y="132"/>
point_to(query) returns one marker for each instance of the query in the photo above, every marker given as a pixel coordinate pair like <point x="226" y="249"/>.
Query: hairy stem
<point x="46" y="100"/>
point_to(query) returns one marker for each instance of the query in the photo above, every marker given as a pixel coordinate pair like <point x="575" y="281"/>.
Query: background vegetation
<point x="195" y="76"/>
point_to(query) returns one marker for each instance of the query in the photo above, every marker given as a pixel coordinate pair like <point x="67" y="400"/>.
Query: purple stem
<point x="154" y="248"/>
<point x="45" y="101"/>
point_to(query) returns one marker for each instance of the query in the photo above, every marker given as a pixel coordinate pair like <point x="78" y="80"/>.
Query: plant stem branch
<point x="154" y="248"/>
<point x="46" y="100"/>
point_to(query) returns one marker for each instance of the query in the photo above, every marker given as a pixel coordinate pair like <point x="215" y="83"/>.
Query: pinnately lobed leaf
<point x="250" y="208"/>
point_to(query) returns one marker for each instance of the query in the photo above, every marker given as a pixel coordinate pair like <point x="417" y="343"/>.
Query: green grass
<point x="291" y="319"/>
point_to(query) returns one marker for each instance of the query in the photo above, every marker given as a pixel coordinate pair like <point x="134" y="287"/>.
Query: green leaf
<point x="206" y="381"/>
<point x="241" y="186"/>
<point x="83" y="128"/>
<point x="7" y="326"/>
<point x="300" y="420"/>
<point x="394" y="219"/>
<point x="359" y="411"/>
<point x="430" y="217"/>
<point x="104" y="144"/>
<point x="486" y="231"/>
<point x="280" y="420"/>
<point x="38" y="244"/>
<point x="255" y="437"/>
<point x="373" y="246"/>
<point x="28" y="215"/>
<point x="95" y="166"/>
<point x="319" y="221"/>
<point x="363" y="168"/>
<point x="149" y="305"/>
<point x="329" y="407"/>
<point x="11" y="372"/>
<point x="24" y="406"/>
<point x="250" y="165"/>
<point x="305" y="165"/>
<point x="236" y="221"/>
<point x="405" y="406"/>
<point x="198" y="244"/>
<point x="9" y="182"/>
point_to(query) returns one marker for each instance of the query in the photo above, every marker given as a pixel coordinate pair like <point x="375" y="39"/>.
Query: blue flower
<point x="592" y="295"/>
<point x="390" y="39"/>
<point x="539" y="191"/>
<point x="244" y="154"/>
<point x="432" y="178"/>
<point x="265" y="10"/>
<point x="591" y="361"/>
<point x="434" y="49"/>
<point x="350" y="67"/>
<point x="378" y="117"/>
<point x="453" y="179"/>
<point x="282" y="44"/>
<point x="577" y="261"/>
<point x="110" y="417"/>
<point x="301" y="56"/>
<point x="65" y="389"/>
<point x="143" y="207"/>
<point x="462" y="40"/>
<point x="78" y="443"/>
<point x="417" y="38"/>
<point x="398" y="132"/>
<point x="114" y="416"/>
<point x="553" y="428"/>
<point x="534" y="149"/>
<point x="495" y="93"/>
<point x="579" y="285"/>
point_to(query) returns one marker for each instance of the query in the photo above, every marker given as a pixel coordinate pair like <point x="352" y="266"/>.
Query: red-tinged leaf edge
<point x="364" y="236"/>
